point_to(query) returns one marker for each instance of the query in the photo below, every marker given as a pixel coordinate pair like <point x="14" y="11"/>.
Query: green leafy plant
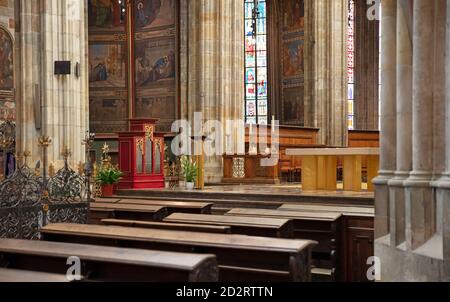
<point x="108" y="175"/>
<point x="190" y="169"/>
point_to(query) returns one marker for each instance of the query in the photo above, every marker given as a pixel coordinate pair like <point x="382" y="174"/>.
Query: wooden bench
<point x="22" y="276"/>
<point x="168" y="226"/>
<point x="100" y="263"/>
<point x="174" y="206"/>
<point x="357" y="237"/>
<point x="344" y="210"/>
<point x="241" y="258"/>
<point x="321" y="227"/>
<point x="101" y="211"/>
<point x="259" y="226"/>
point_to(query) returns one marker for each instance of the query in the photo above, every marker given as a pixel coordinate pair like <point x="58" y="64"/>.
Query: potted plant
<point x="107" y="177"/>
<point x="190" y="171"/>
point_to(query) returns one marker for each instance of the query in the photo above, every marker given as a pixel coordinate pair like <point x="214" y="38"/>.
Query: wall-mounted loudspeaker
<point x="62" y="67"/>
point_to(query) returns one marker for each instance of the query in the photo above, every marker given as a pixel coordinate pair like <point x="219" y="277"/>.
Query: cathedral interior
<point x="250" y="140"/>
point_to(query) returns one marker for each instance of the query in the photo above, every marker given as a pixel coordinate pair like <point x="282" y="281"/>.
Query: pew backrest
<point x="108" y="263"/>
<point x="168" y="226"/>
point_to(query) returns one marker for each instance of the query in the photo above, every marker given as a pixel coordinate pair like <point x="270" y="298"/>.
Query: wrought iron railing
<point x="29" y="200"/>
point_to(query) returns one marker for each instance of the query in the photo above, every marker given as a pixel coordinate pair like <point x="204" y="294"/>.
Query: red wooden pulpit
<point x="141" y="156"/>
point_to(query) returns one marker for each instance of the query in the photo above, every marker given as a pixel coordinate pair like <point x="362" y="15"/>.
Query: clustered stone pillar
<point x="48" y="104"/>
<point x="325" y="76"/>
<point x="212" y="58"/>
<point x="388" y="111"/>
<point x="404" y="128"/>
<point x="413" y="221"/>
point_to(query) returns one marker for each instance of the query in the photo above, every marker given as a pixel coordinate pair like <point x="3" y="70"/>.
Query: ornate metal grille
<point x="29" y="201"/>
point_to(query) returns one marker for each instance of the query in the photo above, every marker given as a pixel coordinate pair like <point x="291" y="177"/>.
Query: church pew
<point x="173" y="206"/>
<point x="22" y="276"/>
<point x="99" y="263"/>
<point x="101" y="211"/>
<point x="344" y="210"/>
<point x="324" y="228"/>
<point x="240" y="258"/>
<point x="259" y="226"/>
<point x="168" y="226"/>
<point x="357" y="237"/>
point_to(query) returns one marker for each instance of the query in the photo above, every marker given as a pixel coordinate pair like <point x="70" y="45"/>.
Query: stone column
<point x="53" y="105"/>
<point x="404" y="126"/>
<point x="419" y="194"/>
<point x="65" y="101"/>
<point x="27" y="77"/>
<point x="388" y="116"/>
<point x="443" y="185"/>
<point x="326" y="88"/>
<point x="213" y="64"/>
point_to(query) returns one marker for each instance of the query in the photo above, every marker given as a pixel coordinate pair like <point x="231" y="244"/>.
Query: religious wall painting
<point x="155" y="63"/>
<point x="293" y="15"/>
<point x="162" y="107"/>
<point x="6" y="59"/>
<point x="108" y="115"/>
<point x="105" y="15"/>
<point x="293" y="64"/>
<point x="293" y="106"/>
<point x="107" y="65"/>
<point x="151" y="14"/>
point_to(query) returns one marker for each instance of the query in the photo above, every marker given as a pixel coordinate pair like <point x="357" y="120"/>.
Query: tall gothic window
<point x="256" y="88"/>
<point x="363" y="34"/>
<point x="351" y="64"/>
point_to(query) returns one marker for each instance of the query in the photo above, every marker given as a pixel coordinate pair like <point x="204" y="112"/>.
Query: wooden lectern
<point x="141" y="156"/>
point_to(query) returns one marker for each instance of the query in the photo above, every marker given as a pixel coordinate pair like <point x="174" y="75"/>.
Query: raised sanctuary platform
<point x="225" y="197"/>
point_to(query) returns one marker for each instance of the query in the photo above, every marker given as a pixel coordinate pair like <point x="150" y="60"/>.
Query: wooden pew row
<point x="254" y="226"/>
<point x="357" y="236"/>
<point x="171" y="206"/>
<point x="22" y="276"/>
<point x="168" y="226"/>
<point x="100" y="263"/>
<point x="321" y="227"/>
<point x="344" y="210"/>
<point x="240" y="258"/>
<point x="101" y="211"/>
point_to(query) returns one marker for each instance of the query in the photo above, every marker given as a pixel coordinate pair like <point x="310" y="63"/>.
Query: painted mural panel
<point x="154" y="13"/>
<point x="292" y="71"/>
<point x="161" y="106"/>
<point x="293" y="65"/>
<point x="105" y="15"/>
<point x="7" y="104"/>
<point x="293" y="105"/>
<point x="6" y="59"/>
<point x="293" y="15"/>
<point x="107" y="65"/>
<point x="155" y="63"/>
<point x="108" y="114"/>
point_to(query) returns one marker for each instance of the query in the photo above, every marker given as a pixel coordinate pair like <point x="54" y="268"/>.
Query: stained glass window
<point x="256" y="89"/>
<point x="351" y="64"/>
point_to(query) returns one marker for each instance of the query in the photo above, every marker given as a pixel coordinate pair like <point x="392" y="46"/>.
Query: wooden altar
<point x="141" y="156"/>
<point x="247" y="169"/>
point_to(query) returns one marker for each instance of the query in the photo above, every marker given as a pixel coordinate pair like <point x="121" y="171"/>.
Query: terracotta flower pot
<point x="107" y="190"/>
